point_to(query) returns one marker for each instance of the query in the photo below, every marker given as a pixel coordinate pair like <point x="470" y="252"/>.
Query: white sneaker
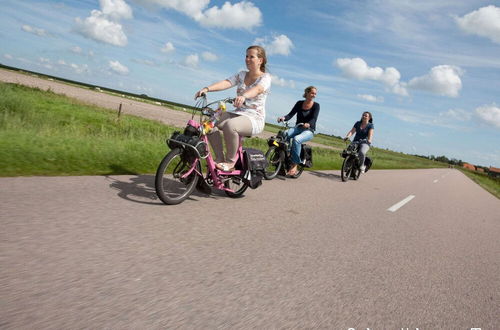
<point x="363" y="168"/>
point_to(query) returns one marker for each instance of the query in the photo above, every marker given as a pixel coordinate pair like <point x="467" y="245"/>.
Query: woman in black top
<point x="364" y="134"/>
<point x="307" y="113"/>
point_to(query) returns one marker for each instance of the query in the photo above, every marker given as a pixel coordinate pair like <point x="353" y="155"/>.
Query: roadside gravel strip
<point x="105" y="100"/>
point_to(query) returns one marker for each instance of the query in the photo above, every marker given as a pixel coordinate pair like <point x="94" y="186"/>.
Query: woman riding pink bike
<point x="249" y="117"/>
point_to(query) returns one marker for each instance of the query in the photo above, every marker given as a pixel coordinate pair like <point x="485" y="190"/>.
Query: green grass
<point x="490" y="184"/>
<point x="42" y="133"/>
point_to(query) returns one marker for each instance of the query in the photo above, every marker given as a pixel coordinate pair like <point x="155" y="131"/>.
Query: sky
<point x="428" y="71"/>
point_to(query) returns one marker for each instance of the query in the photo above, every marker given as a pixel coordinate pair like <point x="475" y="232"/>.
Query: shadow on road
<point x="329" y="176"/>
<point x="141" y="189"/>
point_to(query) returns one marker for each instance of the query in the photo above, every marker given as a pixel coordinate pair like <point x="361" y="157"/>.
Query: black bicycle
<point x="351" y="168"/>
<point x="279" y="155"/>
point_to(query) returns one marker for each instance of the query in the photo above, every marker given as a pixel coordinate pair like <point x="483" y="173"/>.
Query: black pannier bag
<point x="368" y="163"/>
<point x="306" y="153"/>
<point x="193" y="140"/>
<point x="256" y="165"/>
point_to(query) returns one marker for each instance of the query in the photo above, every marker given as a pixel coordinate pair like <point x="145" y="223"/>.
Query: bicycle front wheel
<point x="274" y="157"/>
<point x="300" y="169"/>
<point x="237" y="185"/>
<point x="347" y="168"/>
<point x="171" y="185"/>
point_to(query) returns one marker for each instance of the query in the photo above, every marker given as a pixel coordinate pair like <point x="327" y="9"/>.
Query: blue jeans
<point x="298" y="135"/>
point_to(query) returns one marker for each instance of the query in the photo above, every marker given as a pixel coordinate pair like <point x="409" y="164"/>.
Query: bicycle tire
<point x="356" y="173"/>
<point x="274" y="157"/>
<point x="347" y="166"/>
<point x="300" y="169"/>
<point x="237" y="184"/>
<point x="168" y="181"/>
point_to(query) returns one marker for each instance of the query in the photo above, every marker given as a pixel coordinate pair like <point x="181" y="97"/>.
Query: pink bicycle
<point x="180" y="171"/>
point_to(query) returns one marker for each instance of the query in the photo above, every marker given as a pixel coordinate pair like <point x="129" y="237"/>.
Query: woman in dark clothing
<point x="364" y="133"/>
<point x="307" y="113"/>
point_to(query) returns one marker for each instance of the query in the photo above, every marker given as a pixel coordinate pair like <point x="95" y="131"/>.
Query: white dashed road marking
<point x="396" y="206"/>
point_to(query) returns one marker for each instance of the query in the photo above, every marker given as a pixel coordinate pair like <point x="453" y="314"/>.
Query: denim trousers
<point x="298" y="135"/>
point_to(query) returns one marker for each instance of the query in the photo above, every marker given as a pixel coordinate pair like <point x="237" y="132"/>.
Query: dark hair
<point x="371" y="117"/>
<point x="308" y="89"/>
<point x="261" y="53"/>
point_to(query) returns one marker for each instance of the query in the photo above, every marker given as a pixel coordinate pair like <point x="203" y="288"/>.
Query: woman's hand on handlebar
<point x="239" y="101"/>
<point x="280" y="119"/>
<point x="201" y="92"/>
<point x="307" y="125"/>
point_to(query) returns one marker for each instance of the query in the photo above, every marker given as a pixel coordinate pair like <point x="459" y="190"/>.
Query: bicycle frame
<point x="217" y="176"/>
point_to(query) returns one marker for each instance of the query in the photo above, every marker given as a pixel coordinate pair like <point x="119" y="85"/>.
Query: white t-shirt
<point x="255" y="107"/>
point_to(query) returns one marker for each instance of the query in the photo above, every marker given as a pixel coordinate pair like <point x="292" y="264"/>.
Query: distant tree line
<point x="453" y="161"/>
<point x="443" y="159"/>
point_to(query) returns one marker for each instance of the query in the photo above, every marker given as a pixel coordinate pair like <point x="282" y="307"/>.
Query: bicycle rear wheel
<point x="170" y="186"/>
<point x="347" y="168"/>
<point x="274" y="157"/>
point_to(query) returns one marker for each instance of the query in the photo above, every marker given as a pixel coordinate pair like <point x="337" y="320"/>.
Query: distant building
<point x="494" y="172"/>
<point x="469" y="166"/>
<point x="479" y="169"/>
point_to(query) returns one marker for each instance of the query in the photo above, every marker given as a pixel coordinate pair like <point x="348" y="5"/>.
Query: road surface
<point x="312" y="253"/>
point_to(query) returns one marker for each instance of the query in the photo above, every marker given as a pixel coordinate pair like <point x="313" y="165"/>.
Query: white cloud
<point x="8" y="56"/>
<point x="282" y="82"/>
<point x="34" y="30"/>
<point x="484" y="22"/>
<point x="208" y="56"/>
<point x="147" y="62"/>
<point x="191" y="61"/>
<point x="76" y="50"/>
<point x="489" y="114"/>
<point x="98" y="27"/>
<point x="168" y="48"/>
<point x="280" y="45"/>
<point x="79" y="68"/>
<point x="442" y="80"/>
<point x="242" y="15"/>
<point x="116" y="9"/>
<point x="103" y="25"/>
<point x="118" y="67"/>
<point x="192" y="8"/>
<point x="370" y="98"/>
<point x="357" y="68"/>
<point x="456" y="114"/>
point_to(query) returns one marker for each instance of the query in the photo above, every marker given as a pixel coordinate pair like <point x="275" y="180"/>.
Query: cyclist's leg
<point x="363" y="149"/>
<point x="297" y="141"/>
<point x="215" y="140"/>
<point x="291" y="132"/>
<point x="233" y="128"/>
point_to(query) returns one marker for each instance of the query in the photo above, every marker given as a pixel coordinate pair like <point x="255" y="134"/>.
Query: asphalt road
<point x="313" y="253"/>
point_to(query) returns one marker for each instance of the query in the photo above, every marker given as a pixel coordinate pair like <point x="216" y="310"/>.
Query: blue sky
<point x="429" y="71"/>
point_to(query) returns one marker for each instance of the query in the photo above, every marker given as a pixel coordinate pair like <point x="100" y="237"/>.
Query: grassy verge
<point x="42" y="133"/>
<point x="490" y="184"/>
